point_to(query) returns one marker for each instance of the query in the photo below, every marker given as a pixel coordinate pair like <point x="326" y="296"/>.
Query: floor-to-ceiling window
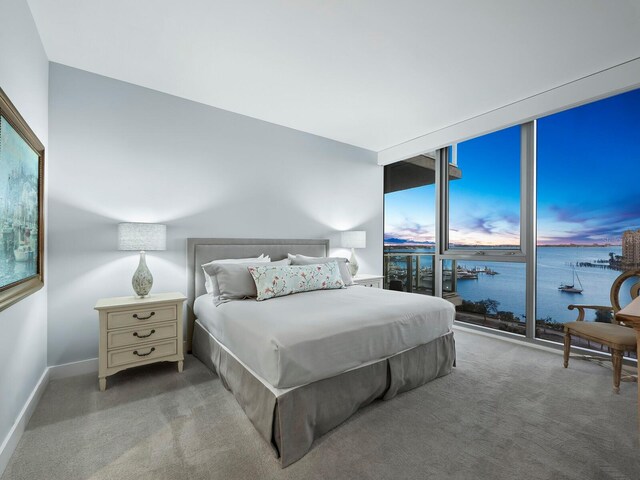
<point x="522" y="222"/>
<point x="484" y="221"/>
<point x="588" y="204"/>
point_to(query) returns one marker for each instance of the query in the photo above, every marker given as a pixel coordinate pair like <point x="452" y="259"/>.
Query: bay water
<point x="555" y="266"/>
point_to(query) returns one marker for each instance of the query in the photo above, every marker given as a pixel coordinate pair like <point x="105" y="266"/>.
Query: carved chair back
<point x="617" y="285"/>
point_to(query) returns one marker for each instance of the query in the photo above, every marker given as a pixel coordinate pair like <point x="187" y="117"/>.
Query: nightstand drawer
<point x="141" y="334"/>
<point x="141" y="317"/>
<point x="142" y="353"/>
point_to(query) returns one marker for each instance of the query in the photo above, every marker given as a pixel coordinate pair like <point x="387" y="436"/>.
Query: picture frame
<point x="21" y="207"/>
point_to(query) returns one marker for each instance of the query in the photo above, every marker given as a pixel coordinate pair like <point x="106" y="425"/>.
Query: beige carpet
<point x="507" y="412"/>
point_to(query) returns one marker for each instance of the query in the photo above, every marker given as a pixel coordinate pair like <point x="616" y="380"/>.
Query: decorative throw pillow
<point x="273" y="282"/>
<point x="343" y="264"/>
<point x="211" y="287"/>
<point x="234" y="280"/>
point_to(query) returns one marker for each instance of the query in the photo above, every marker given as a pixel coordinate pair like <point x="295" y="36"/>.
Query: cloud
<point x="566" y="215"/>
<point x="583" y="224"/>
<point x="580" y="223"/>
<point x="496" y="228"/>
<point x="481" y="225"/>
<point x="411" y="231"/>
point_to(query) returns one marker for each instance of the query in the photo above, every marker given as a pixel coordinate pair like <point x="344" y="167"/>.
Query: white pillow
<point x="211" y="286"/>
<point x="234" y="280"/>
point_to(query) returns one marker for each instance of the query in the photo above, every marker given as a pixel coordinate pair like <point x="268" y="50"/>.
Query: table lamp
<point x="354" y="239"/>
<point x="142" y="237"/>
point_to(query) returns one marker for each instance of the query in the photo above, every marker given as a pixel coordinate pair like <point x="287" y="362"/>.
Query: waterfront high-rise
<point x="631" y="247"/>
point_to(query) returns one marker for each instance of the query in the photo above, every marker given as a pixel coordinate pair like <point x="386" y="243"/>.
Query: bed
<point x="302" y="364"/>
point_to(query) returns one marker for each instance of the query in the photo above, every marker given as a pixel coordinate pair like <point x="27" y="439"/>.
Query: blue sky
<point x="404" y="220"/>
<point x="588" y="182"/>
<point x="589" y="171"/>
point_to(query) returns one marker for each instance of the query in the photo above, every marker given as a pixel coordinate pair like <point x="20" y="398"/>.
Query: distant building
<point x="631" y="248"/>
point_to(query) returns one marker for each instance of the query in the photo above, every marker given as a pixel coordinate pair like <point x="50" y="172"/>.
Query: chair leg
<point x="616" y="359"/>
<point x="567" y="348"/>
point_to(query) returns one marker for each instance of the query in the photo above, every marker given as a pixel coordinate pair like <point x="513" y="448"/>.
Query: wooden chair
<point x="615" y="335"/>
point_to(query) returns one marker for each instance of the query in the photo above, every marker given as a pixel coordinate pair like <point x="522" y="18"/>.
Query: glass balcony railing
<point x="409" y="272"/>
<point x="412" y="272"/>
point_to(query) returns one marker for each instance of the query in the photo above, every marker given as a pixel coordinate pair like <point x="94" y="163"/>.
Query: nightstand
<point x="138" y="331"/>
<point x="374" y="281"/>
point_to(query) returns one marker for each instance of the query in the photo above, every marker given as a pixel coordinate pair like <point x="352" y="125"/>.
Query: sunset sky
<point x="588" y="182"/>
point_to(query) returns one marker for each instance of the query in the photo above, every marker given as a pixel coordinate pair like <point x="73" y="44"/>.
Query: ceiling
<point x="370" y="73"/>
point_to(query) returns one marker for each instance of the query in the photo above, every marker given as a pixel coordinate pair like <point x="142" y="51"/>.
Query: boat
<point x="572" y="288"/>
<point x="466" y="275"/>
<point x="23" y="253"/>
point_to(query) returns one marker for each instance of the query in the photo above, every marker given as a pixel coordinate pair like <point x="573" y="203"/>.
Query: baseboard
<point x="50" y="373"/>
<point x="73" y="369"/>
<point x="13" y="437"/>
<point x="506" y="337"/>
<point x="539" y="344"/>
<point x="78" y="368"/>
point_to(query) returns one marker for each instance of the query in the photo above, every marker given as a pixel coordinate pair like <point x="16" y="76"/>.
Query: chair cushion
<point x="608" y="332"/>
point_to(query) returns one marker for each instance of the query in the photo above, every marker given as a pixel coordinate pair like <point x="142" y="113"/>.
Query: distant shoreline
<point x="491" y="247"/>
<point x="583" y="246"/>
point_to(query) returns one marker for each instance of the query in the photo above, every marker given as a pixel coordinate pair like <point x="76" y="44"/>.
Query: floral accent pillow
<point x="280" y="281"/>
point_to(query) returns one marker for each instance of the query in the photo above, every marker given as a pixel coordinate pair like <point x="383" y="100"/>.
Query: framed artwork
<point x="21" y="209"/>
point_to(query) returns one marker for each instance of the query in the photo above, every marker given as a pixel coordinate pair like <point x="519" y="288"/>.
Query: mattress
<point x="298" y="339"/>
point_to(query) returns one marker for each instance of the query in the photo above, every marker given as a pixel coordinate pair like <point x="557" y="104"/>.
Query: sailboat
<point x="572" y="288"/>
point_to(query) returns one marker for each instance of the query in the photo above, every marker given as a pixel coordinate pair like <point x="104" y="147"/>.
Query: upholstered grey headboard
<point x="203" y="250"/>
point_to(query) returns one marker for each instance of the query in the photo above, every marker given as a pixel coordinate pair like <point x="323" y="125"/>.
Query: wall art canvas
<point x="21" y="223"/>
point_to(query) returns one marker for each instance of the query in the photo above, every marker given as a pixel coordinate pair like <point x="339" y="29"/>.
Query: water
<point x="12" y="271"/>
<point x="554" y="268"/>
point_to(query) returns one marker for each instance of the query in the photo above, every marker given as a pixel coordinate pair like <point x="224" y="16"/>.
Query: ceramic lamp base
<point x="353" y="263"/>
<point x="142" y="279"/>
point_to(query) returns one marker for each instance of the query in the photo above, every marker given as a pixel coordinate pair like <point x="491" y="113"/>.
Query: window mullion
<point x="437" y="261"/>
<point x="528" y="145"/>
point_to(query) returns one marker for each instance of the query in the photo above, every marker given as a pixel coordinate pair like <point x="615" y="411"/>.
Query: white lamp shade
<point x="142" y="236"/>
<point x="354" y="239"/>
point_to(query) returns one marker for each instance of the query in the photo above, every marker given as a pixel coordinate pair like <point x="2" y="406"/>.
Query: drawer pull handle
<point x="153" y="349"/>
<point x="136" y="334"/>
<point x="135" y="315"/>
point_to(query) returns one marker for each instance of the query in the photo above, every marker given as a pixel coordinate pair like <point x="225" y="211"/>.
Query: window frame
<point x="527" y="131"/>
<point x="527" y="253"/>
<point x="528" y="234"/>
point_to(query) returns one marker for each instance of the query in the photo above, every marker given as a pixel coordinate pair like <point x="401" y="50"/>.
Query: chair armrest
<point x="582" y="308"/>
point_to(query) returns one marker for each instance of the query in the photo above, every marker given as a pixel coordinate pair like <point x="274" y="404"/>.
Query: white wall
<point x="23" y="326"/>
<point x="120" y="152"/>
